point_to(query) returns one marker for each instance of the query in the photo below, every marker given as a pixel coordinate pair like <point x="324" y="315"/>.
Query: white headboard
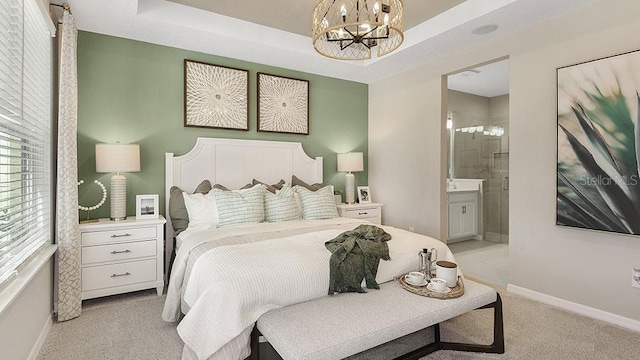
<point x="233" y="163"/>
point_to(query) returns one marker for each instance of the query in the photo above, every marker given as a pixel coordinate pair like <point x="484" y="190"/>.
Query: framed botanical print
<point x="215" y="96"/>
<point x="283" y="104"/>
<point x="598" y="145"/>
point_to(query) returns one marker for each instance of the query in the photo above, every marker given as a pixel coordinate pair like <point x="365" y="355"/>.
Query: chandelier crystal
<point x="349" y="29"/>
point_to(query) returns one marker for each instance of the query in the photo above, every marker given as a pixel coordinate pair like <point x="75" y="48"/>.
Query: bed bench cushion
<point x="342" y="325"/>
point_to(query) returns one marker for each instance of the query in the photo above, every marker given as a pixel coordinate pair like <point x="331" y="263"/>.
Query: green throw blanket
<point x="355" y="256"/>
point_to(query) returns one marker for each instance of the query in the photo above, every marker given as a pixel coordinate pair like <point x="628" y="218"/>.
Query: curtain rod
<point x="65" y="6"/>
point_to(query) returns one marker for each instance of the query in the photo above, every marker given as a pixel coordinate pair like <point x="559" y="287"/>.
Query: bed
<point x="224" y="278"/>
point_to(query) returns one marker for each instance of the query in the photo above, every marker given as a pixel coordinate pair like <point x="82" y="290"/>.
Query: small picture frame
<point x="364" y="195"/>
<point x="147" y="207"/>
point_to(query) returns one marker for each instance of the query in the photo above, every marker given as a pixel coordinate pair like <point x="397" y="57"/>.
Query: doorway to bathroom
<point x="478" y="170"/>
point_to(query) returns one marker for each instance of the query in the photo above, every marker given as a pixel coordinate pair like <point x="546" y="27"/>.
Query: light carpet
<point x="129" y="327"/>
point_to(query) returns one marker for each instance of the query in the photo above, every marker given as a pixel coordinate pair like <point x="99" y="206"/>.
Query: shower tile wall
<point x="480" y="156"/>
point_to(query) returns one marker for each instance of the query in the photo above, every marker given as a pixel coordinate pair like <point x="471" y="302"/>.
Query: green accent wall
<point x="133" y="92"/>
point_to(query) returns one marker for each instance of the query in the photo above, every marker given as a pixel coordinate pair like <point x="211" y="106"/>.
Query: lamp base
<point x="349" y="184"/>
<point x="118" y="197"/>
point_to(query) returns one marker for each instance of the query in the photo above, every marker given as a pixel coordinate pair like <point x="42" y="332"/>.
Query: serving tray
<point x="455" y="292"/>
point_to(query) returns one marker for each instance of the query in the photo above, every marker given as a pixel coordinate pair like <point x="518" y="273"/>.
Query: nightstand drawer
<point x="114" y="252"/>
<point x="122" y="235"/>
<point x="362" y="213"/>
<point x="106" y="276"/>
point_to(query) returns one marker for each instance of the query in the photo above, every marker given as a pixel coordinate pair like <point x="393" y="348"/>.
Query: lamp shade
<point x="350" y="162"/>
<point x="117" y="158"/>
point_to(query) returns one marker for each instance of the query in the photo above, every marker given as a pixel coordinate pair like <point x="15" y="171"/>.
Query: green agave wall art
<point x="598" y="185"/>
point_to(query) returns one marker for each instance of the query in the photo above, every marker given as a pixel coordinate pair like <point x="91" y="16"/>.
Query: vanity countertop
<point x="461" y="190"/>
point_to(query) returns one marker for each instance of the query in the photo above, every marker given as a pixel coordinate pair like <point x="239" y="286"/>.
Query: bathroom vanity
<point x="465" y="209"/>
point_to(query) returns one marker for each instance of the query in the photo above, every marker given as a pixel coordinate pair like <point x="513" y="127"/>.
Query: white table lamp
<point x="118" y="158"/>
<point x="350" y="162"/>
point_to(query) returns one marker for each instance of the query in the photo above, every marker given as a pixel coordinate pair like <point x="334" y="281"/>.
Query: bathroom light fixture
<point x="490" y="130"/>
<point x="118" y="158"/>
<point x="349" y="29"/>
<point x="350" y="162"/>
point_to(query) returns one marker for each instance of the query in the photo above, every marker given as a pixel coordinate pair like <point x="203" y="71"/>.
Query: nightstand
<point x="371" y="212"/>
<point x="122" y="256"/>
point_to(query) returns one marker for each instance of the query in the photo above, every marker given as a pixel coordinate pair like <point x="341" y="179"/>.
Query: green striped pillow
<point x="281" y="206"/>
<point x="240" y="206"/>
<point x="317" y="205"/>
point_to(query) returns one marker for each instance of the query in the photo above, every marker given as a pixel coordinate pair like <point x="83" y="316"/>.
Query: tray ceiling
<point x="252" y="30"/>
<point x="295" y="15"/>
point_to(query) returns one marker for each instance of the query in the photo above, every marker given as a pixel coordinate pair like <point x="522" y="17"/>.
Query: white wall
<point x="23" y="325"/>
<point x="467" y="108"/>
<point x="404" y="168"/>
<point x="499" y="106"/>
<point x="406" y="152"/>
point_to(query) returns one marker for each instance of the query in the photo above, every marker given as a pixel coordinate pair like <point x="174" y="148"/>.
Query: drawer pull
<point x="118" y="275"/>
<point x="114" y="252"/>
<point x="118" y="236"/>
<point x="363" y="213"/>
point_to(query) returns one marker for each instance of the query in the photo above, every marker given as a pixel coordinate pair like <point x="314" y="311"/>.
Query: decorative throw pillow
<point x="271" y="188"/>
<point x="296" y="181"/>
<point x="202" y="211"/>
<point x="319" y="204"/>
<point x="224" y="188"/>
<point x="177" y="209"/>
<point x="240" y="206"/>
<point x="281" y="206"/>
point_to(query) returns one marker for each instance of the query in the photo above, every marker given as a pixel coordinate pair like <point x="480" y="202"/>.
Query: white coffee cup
<point x="448" y="271"/>
<point x="415" y="278"/>
<point x="437" y="284"/>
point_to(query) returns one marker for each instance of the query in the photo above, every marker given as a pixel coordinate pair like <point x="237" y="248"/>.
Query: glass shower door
<point x="497" y="190"/>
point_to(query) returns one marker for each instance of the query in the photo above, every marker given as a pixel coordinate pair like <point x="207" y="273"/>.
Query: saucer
<point x="446" y="290"/>
<point x="424" y="282"/>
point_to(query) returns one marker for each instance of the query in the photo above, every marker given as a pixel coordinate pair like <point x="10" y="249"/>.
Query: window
<point x="25" y="133"/>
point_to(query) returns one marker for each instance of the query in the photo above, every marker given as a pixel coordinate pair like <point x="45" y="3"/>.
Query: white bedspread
<point x="231" y="286"/>
<point x="189" y="240"/>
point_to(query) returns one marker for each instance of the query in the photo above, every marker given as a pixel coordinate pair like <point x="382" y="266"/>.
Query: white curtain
<point x="68" y="234"/>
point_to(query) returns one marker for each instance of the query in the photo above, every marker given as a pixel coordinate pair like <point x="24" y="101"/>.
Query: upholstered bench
<point x="335" y="327"/>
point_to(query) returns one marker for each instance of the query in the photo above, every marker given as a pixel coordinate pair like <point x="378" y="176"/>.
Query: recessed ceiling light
<point x="485" y="29"/>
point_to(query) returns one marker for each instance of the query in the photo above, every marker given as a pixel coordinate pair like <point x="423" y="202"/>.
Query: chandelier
<point x="349" y="29"/>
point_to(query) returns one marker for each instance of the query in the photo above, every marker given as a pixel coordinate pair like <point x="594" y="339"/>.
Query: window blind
<point x="25" y="133"/>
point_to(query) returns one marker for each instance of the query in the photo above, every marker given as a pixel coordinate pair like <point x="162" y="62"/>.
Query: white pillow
<point x="281" y="206"/>
<point x="240" y="206"/>
<point x="297" y="197"/>
<point x="317" y="205"/>
<point x="202" y="211"/>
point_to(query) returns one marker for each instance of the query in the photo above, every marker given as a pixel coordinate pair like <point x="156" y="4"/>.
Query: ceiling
<point x="173" y="24"/>
<point x="295" y="15"/>
<point x="489" y="80"/>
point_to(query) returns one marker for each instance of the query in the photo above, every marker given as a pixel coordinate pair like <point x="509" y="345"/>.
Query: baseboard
<point x="35" y="350"/>
<point x="593" y="313"/>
